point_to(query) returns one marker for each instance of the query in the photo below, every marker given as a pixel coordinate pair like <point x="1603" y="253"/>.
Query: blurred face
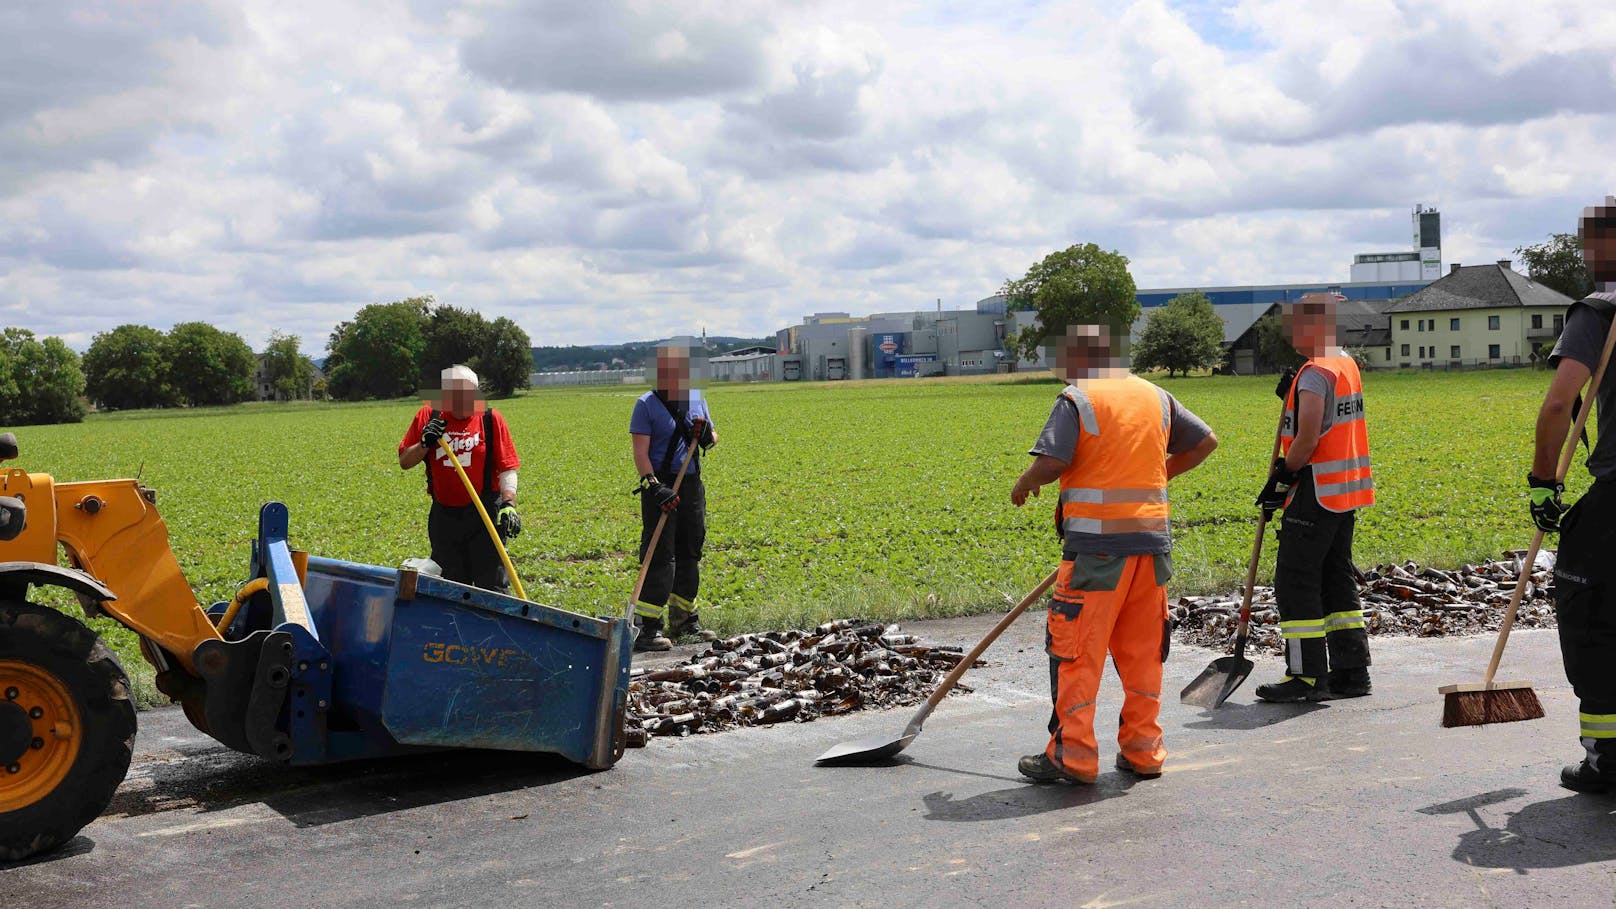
<point x="673" y="371"/>
<point x="1083" y="352"/>
<point x="1310" y="323"/>
<point x="1599" y="242"/>
<point x="460" y="398"/>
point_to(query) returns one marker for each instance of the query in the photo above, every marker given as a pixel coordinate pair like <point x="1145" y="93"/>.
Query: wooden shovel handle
<point x="1256" y="545"/>
<point x="656" y="535"/>
<point x="965" y="663"/>
<point x="1567" y="454"/>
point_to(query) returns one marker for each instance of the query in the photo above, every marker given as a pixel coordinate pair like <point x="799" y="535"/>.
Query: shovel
<point x="1219" y="680"/>
<point x="879" y="747"/>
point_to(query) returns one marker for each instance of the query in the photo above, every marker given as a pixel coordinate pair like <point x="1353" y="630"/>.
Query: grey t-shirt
<point x="1583" y="340"/>
<point x="1320" y="383"/>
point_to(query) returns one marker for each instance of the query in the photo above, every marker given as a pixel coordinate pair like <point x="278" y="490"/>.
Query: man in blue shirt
<point x="665" y="423"/>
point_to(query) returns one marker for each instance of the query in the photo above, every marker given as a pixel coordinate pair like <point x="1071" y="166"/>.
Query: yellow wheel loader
<point x="313" y="660"/>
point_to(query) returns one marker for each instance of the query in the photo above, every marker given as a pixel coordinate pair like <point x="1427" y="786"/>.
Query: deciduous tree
<point x="40" y="381"/>
<point x="1079" y="284"/>
<point x="126" y="368"/>
<point x="1185" y="334"/>
<point x="208" y="366"/>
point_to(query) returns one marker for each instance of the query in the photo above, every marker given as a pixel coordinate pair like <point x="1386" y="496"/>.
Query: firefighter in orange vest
<point x="1321" y="480"/>
<point x="1113" y="441"/>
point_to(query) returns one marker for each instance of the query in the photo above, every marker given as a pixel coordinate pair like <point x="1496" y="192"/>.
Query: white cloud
<point x="613" y="170"/>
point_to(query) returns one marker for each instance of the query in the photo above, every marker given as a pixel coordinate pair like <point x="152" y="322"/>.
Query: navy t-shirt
<point x="653" y="418"/>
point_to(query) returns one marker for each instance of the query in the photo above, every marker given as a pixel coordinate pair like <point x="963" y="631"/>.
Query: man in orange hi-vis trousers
<point x="1321" y="480"/>
<point x="1113" y="441"/>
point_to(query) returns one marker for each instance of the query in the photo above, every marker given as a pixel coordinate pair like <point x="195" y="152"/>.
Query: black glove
<point x="433" y="431"/>
<point x="1286" y="380"/>
<point x="1546" y="505"/>
<point x="663" y="496"/>
<point x="700" y="433"/>
<point x="1060" y="522"/>
<point x="1278" y="488"/>
<point x="508" y="521"/>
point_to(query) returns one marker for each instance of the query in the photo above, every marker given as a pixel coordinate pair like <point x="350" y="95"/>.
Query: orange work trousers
<point x="1117" y="604"/>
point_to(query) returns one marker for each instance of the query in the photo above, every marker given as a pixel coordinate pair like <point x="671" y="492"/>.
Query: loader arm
<point x="111" y="529"/>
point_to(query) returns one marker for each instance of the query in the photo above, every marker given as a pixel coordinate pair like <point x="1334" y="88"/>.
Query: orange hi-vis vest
<point x="1116" y="482"/>
<point x="1342" y="480"/>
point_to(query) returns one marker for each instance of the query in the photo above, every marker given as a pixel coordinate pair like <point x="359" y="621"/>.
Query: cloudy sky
<point x="608" y="170"/>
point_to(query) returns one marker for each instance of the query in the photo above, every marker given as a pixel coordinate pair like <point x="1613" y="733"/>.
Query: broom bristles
<point x="1494" y="705"/>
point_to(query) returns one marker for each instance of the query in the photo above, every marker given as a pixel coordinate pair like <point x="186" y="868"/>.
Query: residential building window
<point x="1453" y="324"/>
<point x="1422" y="325"/>
<point x="1559" y="323"/>
<point x="1492" y="323"/>
<point x="1388" y="355"/>
<point x="1537" y="320"/>
<point x="1404" y="351"/>
<point x="1493" y="352"/>
<point x="1453" y="352"/>
<point x="1405" y="325"/>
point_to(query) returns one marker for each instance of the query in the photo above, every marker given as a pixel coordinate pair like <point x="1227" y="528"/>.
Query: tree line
<point x="389" y="350"/>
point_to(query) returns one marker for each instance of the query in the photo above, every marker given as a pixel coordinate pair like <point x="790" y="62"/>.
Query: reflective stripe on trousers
<point x="1598" y="725"/>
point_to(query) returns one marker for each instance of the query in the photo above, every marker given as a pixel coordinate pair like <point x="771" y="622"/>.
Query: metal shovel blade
<point x="1214" y="685"/>
<point x="867" y="750"/>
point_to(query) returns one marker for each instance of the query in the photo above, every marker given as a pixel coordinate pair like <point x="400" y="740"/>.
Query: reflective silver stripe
<point x="1112" y="496"/>
<point x="1335" y="489"/>
<point x="1598" y="727"/>
<point x="1341" y="466"/>
<point x="1343" y="620"/>
<point x="1302" y="629"/>
<point x="1085" y="410"/>
<point x="1167" y="409"/>
<point x="1116" y="525"/>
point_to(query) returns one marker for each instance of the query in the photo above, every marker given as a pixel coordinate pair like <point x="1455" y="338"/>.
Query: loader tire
<point x="67" y="728"/>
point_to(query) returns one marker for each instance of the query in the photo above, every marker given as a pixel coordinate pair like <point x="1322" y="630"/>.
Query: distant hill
<point x="620" y="356"/>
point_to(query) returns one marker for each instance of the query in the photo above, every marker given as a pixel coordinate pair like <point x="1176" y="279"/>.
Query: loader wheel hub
<point x="39" y="739"/>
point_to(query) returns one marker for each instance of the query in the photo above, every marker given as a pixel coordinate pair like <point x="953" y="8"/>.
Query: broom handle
<point x="656" y="535"/>
<point x="1256" y="545"/>
<point x="1566" y="456"/>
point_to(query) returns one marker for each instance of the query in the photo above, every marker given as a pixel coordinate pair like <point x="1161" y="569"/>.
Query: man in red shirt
<point x="478" y="436"/>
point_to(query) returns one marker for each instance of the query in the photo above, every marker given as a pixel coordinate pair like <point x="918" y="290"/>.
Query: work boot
<point x="651" y="639"/>
<point x="1040" y="769"/>
<point x="688" y="625"/>
<point x="1348" y="683"/>
<point x="1584" y="778"/>
<point x="1126" y="766"/>
<point x="1293" y="690"/>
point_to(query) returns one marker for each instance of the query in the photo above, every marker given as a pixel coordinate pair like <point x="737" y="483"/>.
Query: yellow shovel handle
<point x="482" y="512"/>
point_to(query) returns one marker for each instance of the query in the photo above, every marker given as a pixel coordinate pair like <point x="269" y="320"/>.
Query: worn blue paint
<point x="451" y="667"/>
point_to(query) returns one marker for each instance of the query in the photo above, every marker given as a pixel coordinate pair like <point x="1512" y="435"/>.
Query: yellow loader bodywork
<point x="111" y="530"/>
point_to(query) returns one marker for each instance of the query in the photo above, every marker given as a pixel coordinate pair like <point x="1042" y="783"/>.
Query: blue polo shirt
<point x="652" y="418"/>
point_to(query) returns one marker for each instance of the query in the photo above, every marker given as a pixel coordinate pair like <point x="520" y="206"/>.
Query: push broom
<point x="1509" y="702"/>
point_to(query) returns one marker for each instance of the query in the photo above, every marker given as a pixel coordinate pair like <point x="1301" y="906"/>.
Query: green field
<point x="881" y="499"/>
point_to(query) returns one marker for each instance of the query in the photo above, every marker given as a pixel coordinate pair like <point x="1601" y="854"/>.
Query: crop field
<point x="880" y="499"/>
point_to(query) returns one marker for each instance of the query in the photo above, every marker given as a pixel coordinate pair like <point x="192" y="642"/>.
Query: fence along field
<point x="884" y="499"/>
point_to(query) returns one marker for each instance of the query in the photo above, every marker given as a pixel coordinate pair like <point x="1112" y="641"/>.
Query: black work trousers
<point x="462" y="548"/>
<point x="1320" y="616"/>
<point x="1585" y="606"/>
<point x="676" y="563"/>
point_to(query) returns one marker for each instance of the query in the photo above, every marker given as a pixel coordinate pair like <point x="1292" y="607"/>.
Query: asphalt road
<point x="1354" y="803"/>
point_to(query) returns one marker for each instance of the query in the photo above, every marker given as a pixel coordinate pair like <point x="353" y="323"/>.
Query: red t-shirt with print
<point x="465" y="438"/>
